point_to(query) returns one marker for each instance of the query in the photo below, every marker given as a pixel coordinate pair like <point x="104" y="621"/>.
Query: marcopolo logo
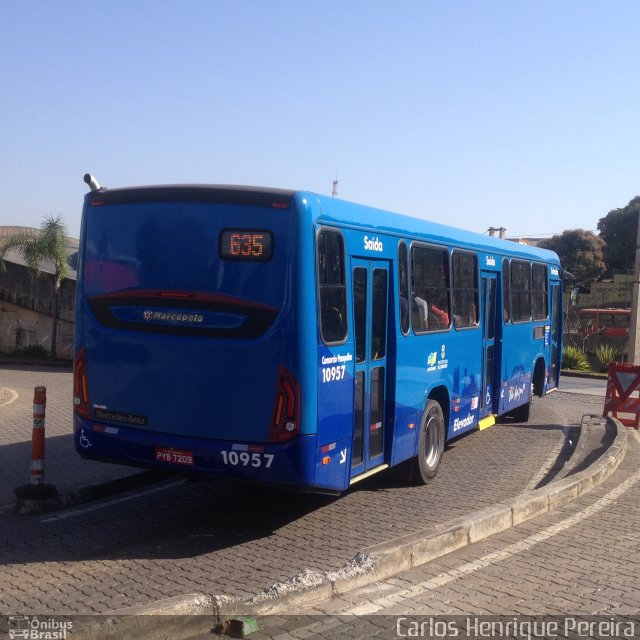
<point x="372" y="244"/>
<point x="39" y="628"/>
<point x="181" y="318"/>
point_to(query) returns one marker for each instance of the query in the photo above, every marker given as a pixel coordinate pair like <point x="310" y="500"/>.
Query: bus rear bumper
<point x="291" y="463"/>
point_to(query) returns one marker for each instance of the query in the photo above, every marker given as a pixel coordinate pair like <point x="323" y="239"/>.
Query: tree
<point x="50" y="245"/>
<point x="581" y="253"/>
<point x="618" y="229"/>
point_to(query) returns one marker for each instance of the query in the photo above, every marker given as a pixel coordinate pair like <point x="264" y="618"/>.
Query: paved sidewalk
<point x="64" y="468"/>
<point x="221" y="538"/>
<point x="581" y="559"/>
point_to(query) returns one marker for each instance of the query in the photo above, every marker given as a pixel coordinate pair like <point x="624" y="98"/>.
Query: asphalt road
<point x="586" y="386"/>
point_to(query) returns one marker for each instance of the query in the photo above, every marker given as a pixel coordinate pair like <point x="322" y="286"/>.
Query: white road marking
<point x="101" y="505"/>
<point x="13" y="396"/>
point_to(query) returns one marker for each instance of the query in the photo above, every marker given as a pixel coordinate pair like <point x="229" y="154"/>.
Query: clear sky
<point x="514" y="113"/>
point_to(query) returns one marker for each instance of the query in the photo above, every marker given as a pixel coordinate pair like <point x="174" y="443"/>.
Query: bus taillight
<point x="81" y="385"/>
<point x="285" y="423"/>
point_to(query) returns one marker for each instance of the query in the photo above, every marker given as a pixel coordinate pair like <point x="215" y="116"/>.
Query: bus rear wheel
<point x="431" y="443"/>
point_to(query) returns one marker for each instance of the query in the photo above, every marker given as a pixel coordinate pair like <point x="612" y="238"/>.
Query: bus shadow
<point x="175" y="518"/>
<point x="400" y="477"/>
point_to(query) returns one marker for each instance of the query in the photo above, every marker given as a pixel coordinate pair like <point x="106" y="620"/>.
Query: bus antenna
<point x="334" y="192"/>
<point x="94" y="185"/>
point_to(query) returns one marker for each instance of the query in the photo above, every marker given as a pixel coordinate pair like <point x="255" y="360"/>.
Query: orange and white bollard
<point x="37" y="435"/>
<point x="37" y="497"/>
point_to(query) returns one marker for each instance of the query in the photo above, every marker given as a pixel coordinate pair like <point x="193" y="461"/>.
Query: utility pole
<point x="501" y="231"/>
<point x="633" y="351"/>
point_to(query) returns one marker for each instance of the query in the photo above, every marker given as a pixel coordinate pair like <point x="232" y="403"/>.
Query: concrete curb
<point x="370" y="565"/>
<point x="590" y="375"/>
<point x="167" y="618"/>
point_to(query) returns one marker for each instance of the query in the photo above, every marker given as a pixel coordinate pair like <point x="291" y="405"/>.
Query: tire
<point x="431" y="445"/>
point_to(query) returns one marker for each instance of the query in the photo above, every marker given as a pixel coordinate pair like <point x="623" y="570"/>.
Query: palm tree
<point x="50" y="245"/>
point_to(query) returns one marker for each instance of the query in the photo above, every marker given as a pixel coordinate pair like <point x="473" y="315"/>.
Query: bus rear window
<point x="186" y="247"/>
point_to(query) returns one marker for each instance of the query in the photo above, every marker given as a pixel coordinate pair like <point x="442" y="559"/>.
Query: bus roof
<point x="361" y="216"/>
<point x="215" y="194"/>
<point x="333" y="211"/>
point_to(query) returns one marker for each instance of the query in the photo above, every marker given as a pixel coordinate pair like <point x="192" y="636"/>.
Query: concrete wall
<point x="26" y="310"/>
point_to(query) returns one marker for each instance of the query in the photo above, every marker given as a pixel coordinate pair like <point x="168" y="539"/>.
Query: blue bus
<point x="288" y="338"/>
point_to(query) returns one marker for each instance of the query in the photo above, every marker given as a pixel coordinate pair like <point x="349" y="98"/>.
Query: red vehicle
<point x="604" y="322"/>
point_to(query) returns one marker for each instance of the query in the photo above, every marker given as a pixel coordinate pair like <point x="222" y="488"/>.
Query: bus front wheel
<point x="431" y="443"/>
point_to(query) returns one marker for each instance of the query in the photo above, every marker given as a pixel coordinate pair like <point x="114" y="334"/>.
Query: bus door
<point x="556" y="309"/>
<point x="370" y="312"/>
<point x="491" y="351"/>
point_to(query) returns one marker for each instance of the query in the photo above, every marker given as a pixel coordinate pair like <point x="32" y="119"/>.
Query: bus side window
<point x="506" y="300"/>
<point x="465" y="289"/>
<point x="430" y="289"/>
<point x="520" y="291"/>
<point x="332" y="290"/>
<point x="403" y="264"/>
<point x="539" y="293"/>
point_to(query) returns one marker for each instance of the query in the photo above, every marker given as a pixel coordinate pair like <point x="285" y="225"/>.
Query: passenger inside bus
<point x="427" y="315"/>
<point x="441" y="317"/>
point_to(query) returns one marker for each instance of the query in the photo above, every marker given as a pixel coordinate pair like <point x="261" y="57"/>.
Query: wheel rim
<point x="432" y="444"/>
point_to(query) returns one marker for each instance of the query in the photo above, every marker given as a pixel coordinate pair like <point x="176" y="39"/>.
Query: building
<point x="617" y="292"/>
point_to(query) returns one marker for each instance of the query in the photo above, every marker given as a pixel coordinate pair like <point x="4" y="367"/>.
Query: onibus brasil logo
<point x="38" y="628"/>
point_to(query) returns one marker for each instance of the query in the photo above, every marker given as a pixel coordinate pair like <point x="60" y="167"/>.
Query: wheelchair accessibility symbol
<point x="85" y="443"/>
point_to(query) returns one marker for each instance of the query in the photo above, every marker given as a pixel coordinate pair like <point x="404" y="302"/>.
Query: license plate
<point x="174" y="456"/>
